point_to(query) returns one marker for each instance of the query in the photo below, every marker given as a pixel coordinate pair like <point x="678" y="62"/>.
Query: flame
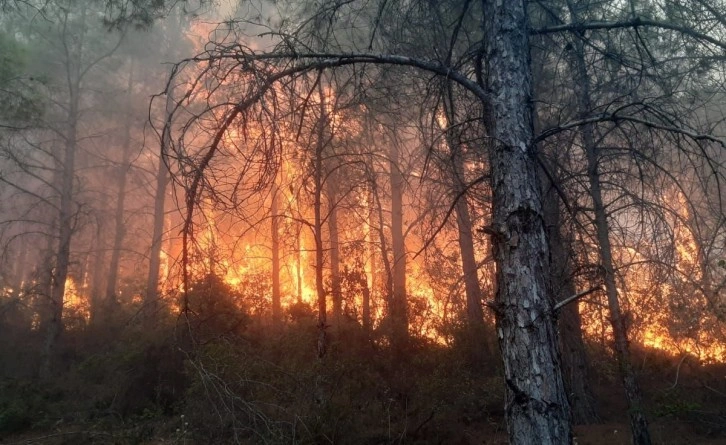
<point x="75" y="304"/>
<point x="242" y="255"/>
<point x="664" y="309"/>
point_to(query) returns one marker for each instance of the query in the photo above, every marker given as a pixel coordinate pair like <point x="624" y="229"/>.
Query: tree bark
<point x="162" y="181"/>
<point x="536" y="401"/>
<point x="470" y="270"/>
<point x="638" y="422"/>
<point x="575" y="366"/>
<point x="54" y="325"/>
<point x="318" y="227"/>
<point x="99" y="261"/>
<point x="334" y="235"/>
<point x="298" y="263"/>
<point x="120" y="229"/>
<point x="398" y="304"/>
<point x="275" y="235"/>
<point x="370" y="273"/>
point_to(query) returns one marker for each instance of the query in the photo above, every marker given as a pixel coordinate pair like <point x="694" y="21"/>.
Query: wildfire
<point x="235" y="234"/>
<point x="75" y="304"/>
<point x="665" y="307"/>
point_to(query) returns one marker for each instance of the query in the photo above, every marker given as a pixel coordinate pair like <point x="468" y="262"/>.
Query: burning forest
<point x="362" y="222"/>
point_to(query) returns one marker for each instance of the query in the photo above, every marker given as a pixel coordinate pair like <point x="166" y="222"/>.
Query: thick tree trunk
<point x="275" y="235"/>
<point x="537" y="409"/>
<point x="638" y="422"/>
<point x="398" y="304"/>
<point x="162" y="181"/>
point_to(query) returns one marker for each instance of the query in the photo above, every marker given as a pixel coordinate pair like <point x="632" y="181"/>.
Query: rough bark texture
<point x="536" y="404"/>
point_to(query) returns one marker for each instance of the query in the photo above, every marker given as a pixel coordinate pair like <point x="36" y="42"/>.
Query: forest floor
<point x="663" y="432"/>
<point x="142" y="390"/>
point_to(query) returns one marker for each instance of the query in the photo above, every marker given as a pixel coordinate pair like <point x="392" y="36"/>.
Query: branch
<point x="577" y="296"/>
<point x="634" y="23"/>
<point x="332" y="60"/>
<point x="636" y="120"/>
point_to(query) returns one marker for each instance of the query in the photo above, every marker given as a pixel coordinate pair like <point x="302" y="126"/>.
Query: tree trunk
<point x="299" y="264"/>
<point x="275" y="235"/>
<point x="54" y="325"/>
<point x="335" y="286"/>
<point x="370" y="272"/>
<point x="398" y="304"/>
<point x="536" y="401"/>
<point x="162" y="180"/>
<point x="20" y="270"/>
<point x="638" y="422"/>
<point x="318" y="227"/>
<point x="575" y="366"/>
<point x="470" y="270"/>
<point x="474" y="312"/>
<point x="120" y="229"/>
<point x="383" y="245"/>
<point x="99" y="261"/>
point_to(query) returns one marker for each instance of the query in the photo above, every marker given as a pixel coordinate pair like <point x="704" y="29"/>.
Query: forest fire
<point x="361" y="222"/>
